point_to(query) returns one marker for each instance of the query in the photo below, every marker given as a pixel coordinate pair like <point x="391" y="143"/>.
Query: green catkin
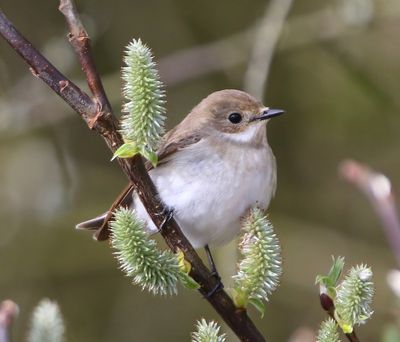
<point x="328" y="331"/>
<point x="154" y="270"/>
<point x="261" y="266"/>
<point x="354" y="297"/>
<point x="207" y="332"/>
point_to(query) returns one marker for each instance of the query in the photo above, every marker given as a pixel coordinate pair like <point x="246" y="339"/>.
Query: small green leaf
<point x="258" y="304"/>
<point x="333" y="276"/>
<point x="320" y="279"/>
<point x="126" y="150"/>
<point x="184" y="265"/>
<point x="188" y="282"/>
<point x="150" y="156"/>
<point x="336" y="270"/>
<point x="328" y="282"/>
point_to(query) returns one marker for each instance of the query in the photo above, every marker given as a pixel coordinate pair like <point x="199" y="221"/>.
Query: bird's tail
<point x="92" y="224"/>
<point x="101" y="223"/>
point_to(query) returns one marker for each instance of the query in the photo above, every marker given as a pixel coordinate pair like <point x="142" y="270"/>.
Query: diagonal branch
<point x="80" y="41"/>
<point x="104" y="123"/>
<point x="378" y="190"/>
<point x="43" y="69"/>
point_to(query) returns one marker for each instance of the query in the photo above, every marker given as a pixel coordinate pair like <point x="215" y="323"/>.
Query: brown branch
<point x="43" y="69"/>
<point x="105" y="124"/>
<point x="377" y="188"/>
<point x="80" y="41"/>
<point x="328" y="305"/>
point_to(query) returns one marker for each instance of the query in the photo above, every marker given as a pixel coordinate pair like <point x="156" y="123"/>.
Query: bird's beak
<point x="268" y="113"/>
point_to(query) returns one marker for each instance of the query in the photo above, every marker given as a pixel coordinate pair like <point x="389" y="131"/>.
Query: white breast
<point x="210" y="189"/>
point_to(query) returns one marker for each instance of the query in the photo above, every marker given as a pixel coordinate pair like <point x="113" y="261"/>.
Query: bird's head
<point x="234" y="115"/>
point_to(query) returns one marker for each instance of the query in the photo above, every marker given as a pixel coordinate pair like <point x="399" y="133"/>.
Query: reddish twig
<point x="104" y="123"/>
<point x="8" y="312"/>
<point x="80" y="41"/>
<point x="43" y="69"/>
<point x="328" y="305"/>
<point x="377" y="188"/>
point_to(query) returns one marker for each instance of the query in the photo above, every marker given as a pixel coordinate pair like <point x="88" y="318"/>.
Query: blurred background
<point x="333" y="65"/>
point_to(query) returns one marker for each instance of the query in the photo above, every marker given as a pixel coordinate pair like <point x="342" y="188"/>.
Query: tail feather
<point x="101" y="223"/>
<point x="92" y="224"/>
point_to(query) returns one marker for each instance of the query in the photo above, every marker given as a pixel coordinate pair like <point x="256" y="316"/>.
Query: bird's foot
<point x="168" y="215"/>
<point x="214" y="273"/>
<point x="218" y="286"/>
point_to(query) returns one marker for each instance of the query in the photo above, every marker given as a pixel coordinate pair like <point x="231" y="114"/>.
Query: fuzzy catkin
<point x="207" y="332"/>
<point x="154" y="270"/>
<point x="328" y="331"/>
<point x="144" y="111"/>
<point x="354" y="296"/>
<point x="47" y="324"/>
<point x="261" y="266"/>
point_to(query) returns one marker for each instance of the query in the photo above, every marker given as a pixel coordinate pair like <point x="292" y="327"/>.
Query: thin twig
<point x="265" y="42"/>
<point x="220" y="55"/>
<point x="377" y="188"/>
<point x="80" y="41"/>
<point x="105" y="124"/>
<point x="297" y="32"/>
<point x="43" y="69"/>
<point x="328" y="305"/>
<point x="8" y="312"/>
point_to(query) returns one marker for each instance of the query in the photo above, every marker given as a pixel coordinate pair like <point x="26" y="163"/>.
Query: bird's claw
<point x="168" y="215"/>
<point x="218" y="286"/>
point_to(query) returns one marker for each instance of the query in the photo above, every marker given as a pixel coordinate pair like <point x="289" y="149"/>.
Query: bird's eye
<point x="235" y="118"/>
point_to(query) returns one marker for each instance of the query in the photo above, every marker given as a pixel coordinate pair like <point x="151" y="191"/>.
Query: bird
<point x="213" y="167"/>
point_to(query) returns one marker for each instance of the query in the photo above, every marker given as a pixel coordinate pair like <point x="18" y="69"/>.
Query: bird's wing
<point x="170" y="144"/>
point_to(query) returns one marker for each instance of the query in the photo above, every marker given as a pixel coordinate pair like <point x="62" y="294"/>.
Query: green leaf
<point x="258" y="304"/>
<point x="185" y="267"/>
<point x="330" y="281"/>
<point x="126" y="150"/>
<point x="336" y="270"/>
<point x="188" y="282"/>
<point x="150" y="156"/>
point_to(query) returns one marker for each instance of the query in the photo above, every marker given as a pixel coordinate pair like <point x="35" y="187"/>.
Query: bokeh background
<point x="335" y="69"/>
